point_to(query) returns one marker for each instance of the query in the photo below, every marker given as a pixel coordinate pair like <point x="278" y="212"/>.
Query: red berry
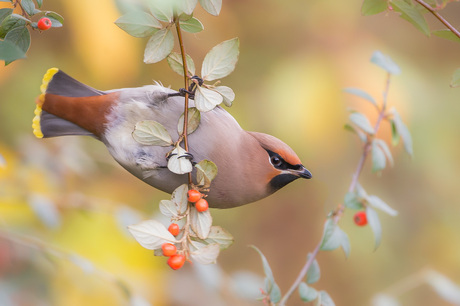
<point x="176" y="261"/>
<point x="168" y="249"/>
<point x="201" y="205"/>
<point x="174" y="229"/>
<point x="360" y="218"/>
<point x="193" y="195"/>
<point x="44" y="24"/>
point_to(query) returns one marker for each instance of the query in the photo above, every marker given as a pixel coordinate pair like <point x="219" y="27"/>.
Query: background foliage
<point x="295" y="59"/>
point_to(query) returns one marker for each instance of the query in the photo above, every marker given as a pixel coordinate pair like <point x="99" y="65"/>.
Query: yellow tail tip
<point x="38" y="109"/>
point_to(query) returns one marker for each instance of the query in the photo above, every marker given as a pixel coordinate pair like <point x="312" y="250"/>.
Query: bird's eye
<point x="276" y="161"/>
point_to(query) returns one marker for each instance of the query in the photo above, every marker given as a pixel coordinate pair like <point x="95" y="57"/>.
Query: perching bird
<point x="250" y="165"/>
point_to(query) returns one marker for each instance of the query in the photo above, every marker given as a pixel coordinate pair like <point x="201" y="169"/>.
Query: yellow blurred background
<point x="64" y="204"/>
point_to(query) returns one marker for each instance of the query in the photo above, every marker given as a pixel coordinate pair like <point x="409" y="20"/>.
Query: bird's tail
<point x="59" y="109"/>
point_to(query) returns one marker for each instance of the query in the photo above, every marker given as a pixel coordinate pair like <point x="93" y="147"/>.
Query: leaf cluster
<point x="15" y="28"/>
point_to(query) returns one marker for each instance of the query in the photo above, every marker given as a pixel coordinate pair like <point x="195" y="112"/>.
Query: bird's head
<point x="284" y="162"/>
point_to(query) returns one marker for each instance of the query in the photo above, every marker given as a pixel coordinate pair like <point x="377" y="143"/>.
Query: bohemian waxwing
<point x="250" y="165"/>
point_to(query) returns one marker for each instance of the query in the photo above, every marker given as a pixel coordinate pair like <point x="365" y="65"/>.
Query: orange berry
<point x="193" y="195"/>
<point x="360" y="218"/>
<point x="176" y="261"/>
<point x="174" y="229"/>
<point x="201" y="205"/>
<point x="169" y="249"/>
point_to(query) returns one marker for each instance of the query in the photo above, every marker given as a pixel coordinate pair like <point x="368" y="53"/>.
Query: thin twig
<point x="184" y="65"/>
<point x="340" y="208"/>
<point x="439" y="17"/>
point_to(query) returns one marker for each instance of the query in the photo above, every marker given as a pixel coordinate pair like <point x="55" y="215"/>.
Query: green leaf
<point x="207" y="171"/>
<point x="186" y="6"/>
<point x="383" y="145"/>
<point x="9" y="52"/>
<point x="444" y="287"/>
<point x="385" y="62"/>
<point x="56" y="19"/>
<point x="345" y="243"/>
<point x="162" y="10"/>
<point x="179" y="162"/>
<point x="275" y="294"/>
<point x="20" y="37"/>
<point x="138" y="24"/>
<point x="151" y="133"/>
<point x="334" y="237"/>
<point x="28" y="6"/>
<point x="5" y="12"/>
<point x="362" y="122"/>
<point x="394" y="133"/>
<point x="192" y="25"/>
<point x="378" y="203"/>
<point x="175" y="62"/>
<point x="11" y="22"/>
<point x="213" y="7"/>
<point x="307" y="293"/>
<point x="151" y="234"/>
<point x="352" y="129"/>
<point x="374" y="223"/>
<point x="352" y="201"/>
<point x="159" y="46"/>
<point x="206" y="255"/>
<point x="201" y="223"/>
<point x="179" y="196"/>
<point x="325" y="299"/>
<point x="455" y="78"/>
<point x="372" y="7"/>
<point x="220" y="236"/>
<point x="227" y="94"/>
<point x="313" y="273"/>
<point x="221" y="60"/>
<point x="378" y="158"/>
<point x="360" y="93"/>
<point x="403" y="131"/>
<point x="40" y="3"/>
<point x="169" y="208"/>
<point x="206" y="99"/>
<point x="194" y="118"/>
<point x="411" y="14"/>
<point x="384" y="300"/>
<point x="267" y="271"/>
<point x="447" y="34"/>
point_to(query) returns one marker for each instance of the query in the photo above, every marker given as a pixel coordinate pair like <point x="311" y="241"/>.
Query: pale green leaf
<point x="384" y="300"/>
<point x="403" y="131"/>
<point x="56" y="19"/>
<point x="455" y="78"/>
<point x="10" y="22"/>
<point x="267" y="270"/>
<point x="374" y="223"/>
<point x="206" y="255"/>
<point x="19" y="37"/>
<point x="192" y="25"/>
<point x="206" y="172"/>
<point x="307" y="293"/>
<point x="179" y="162"/>
<point x="378" y="158"/>
<point x="411" y="14"/>
<point x="169" y="208"/>
<point x="175" y="62"/>
<point x="159" y="46"/>
<point x="5" y="12"/>
<point x="213" y="7"/>
<point x="352" y="201"/>
<point x="345" y="243"/>
<point x="187" y="6"/>
<point x="326" y="299"/>
<point x="28" y="6"/>
<point x="385" y="62"/>
<point x="360" y="93"/>
<point x="194" y="118"/>
<point x="151" y="234"/>
<point x="275" y="293"/>
<point x="378" y="203"/>
<point x="138" y="24"/>
<point x="221" y="60"/>
<point x="332" y="236"/>
<point x="444" y="287"/>
<point x="362" y="122"/>
<point x="372" y="7"/>
<point x="446" y="34"/>
<point x="220" y="236"/>
<point x="162" y="10"/>
<point x="362" y="136"/>
<point x="206" y="99"/>
<point x="151" y="133"/>
<point x="227" y="94"/>
<point x="383" y="145"/>
<point x="201" y="223"/>
<point x="9" y="52"/>
<point x="179" y="196"/>
<point x="313" y="273"/>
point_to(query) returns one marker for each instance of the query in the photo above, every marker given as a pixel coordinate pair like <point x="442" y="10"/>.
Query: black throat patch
<point x="282" y="180"/>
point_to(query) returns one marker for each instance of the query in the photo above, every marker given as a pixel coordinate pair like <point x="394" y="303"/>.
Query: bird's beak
<point x="302" y="172"/>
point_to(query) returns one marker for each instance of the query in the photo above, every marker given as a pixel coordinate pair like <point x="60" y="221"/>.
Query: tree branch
<point x="439" y="17"/>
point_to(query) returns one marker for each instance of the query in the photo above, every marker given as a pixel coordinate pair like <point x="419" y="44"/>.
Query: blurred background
<point x="65" y="204"/>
